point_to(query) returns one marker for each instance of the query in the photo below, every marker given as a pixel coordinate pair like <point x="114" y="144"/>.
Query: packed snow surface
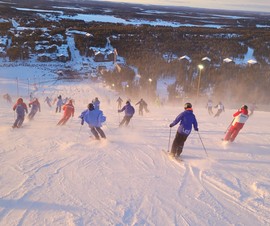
<point x="59" y="175"/>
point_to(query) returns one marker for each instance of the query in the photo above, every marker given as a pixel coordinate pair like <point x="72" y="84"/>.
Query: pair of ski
<point x="177" y="160"/>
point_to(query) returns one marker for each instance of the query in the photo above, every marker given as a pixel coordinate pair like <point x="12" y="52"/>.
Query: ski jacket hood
<point x="20" y="101"/>
<point x="241" y="111"/>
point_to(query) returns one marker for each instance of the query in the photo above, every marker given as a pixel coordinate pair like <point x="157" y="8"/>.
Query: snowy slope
<point x="53" y="175"/>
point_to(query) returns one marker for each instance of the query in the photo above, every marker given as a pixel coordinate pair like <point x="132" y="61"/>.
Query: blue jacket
<point x="129" y="110"/>
<point x="93" y="118"/>
<point x="186" y="119"/>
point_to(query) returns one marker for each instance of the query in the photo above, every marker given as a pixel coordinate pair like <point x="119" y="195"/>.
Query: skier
<point x="7" y="97"/>
<point x="35" y="107"/>
<point x="252" y="108"/>
<point x="48" y="101"/>
<point x="209" y="106"/>
<point x="31" y="97"/>
<point x="21" y="108"/>
<point x="65" y="100"/>
<point x="220" y="108"/>
<point x="240" y="117"/>
<point x="59" y="104"/>
<point x="186" y="119"/>
<point x="68" y="112"/>
<point x="119" y="101"/>
<point x="142" y="105"/>
<point x="129" y="112"/>
<point x="96" y="103"/>
<point x="94" y="118"/>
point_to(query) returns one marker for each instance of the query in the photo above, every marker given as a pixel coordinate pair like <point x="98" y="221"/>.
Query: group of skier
<point x="94" y="117"/>
<point x="187" y="119"/>
<point x="220" y="108"/>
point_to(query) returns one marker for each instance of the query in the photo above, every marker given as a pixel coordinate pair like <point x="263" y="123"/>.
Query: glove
<point x="197" y="129"/>
<point x="171" y="125"/>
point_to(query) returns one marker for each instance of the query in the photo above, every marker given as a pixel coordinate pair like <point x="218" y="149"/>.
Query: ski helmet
<point x="91" y="106"/>
<point x="187" y="105"/>
<point x="244" y="107"/>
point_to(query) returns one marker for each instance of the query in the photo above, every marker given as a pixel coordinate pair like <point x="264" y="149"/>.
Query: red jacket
<point x="240" y="117"/>
<point x="69" y="109"/>
<point x="20" y="102"/>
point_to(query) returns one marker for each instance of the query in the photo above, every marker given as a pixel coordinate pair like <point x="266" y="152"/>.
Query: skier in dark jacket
<point x="142" y="105"/>
<point x="48" y="101"/>
<point x="94" y="118"/>
<point x="186" y="119"/>
<point x="21" y="108"/>
<point x="129" y="112"/>
<point x="35" y="107"/>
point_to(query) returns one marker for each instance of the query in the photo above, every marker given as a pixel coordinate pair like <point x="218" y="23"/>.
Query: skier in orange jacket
<point x="68" y="112"/>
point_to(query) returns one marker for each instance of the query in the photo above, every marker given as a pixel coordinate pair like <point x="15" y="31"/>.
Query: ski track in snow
<point x="55" y="175"/>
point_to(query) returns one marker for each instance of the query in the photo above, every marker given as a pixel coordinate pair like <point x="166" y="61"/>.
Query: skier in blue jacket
<point x="129" y="112"/>
<point x="186" y="119"/>
<point x="94" y="118"/>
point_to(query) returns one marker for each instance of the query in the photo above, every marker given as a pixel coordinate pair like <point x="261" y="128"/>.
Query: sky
<point x="244" y="5"/>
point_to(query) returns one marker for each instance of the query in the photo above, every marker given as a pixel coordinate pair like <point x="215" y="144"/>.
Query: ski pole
<point x="79" y="133"/>
<point x="202" y="143"/>
<point x="105" y="124"/>
<point x="118" y="117"/>
<point x="169" y="140"/>
<point x="229" y="126"/>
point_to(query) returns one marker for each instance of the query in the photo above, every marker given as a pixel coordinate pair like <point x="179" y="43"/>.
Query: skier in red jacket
<point x="68" y="112"/>
<point x="240" y="117"/>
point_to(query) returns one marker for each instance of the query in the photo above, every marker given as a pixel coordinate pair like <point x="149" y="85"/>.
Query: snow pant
<point x="19" y="121"/>
<point x="96" y="131"/>
<point x="32" y="114"/>
<point x="233" y="132"/>
<point x="178" y="144"/>
<point x="210" y="112"/>
<point x="140" y="111"/>
<point x="218" y="113"/>
<point x="58" y="109"/>
<point x="125" y="120"/>
<point x="64" y="120"/>
<point x="146" y="109"/>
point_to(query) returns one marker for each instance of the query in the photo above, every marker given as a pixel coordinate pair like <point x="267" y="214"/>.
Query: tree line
<point x="145" y="47"/>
